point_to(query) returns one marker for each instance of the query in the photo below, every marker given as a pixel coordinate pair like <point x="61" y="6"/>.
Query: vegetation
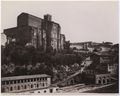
<point x="17" y="60"/>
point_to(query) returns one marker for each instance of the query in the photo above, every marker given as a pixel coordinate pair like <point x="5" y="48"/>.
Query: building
<point x="77" y="46"/>
<point x="62" y="41"/>
<point x="43" y="34"/>
<point x="27" y="84"/>
<point x="52" y="30"/>
<point x="112" y="68"/>
<point x="102" y="79"/>
<point x="92" y="46"/>
<point x="51" y="89"/>
<point x="86" y="46"/>
<point x="19" y="35"/>
<point x="93" y="77"/>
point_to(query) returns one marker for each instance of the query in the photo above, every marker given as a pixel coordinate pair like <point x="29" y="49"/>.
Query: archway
<point x="72" y="82"/>
<point x="11" y="88"/>
<point x="104" y="81"/>
<point x="31" y="85"/>
<point x="99" y="81"/>
<point x="108" y="81"/>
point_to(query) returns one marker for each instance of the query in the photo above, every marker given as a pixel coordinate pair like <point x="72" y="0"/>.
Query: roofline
<point x="40" y="18"/>
<point x="24" y="77"/>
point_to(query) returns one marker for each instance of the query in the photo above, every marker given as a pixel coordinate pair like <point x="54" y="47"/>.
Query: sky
<point x="80" y="21"/>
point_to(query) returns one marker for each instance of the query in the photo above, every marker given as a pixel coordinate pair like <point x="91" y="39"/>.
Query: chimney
<point x="47" y="17"/>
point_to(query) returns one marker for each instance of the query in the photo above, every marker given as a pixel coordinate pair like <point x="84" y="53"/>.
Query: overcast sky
<point x="80" y="21"/>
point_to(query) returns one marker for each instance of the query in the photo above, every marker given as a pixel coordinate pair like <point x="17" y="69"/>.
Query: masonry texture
<point x="43" y="34"/>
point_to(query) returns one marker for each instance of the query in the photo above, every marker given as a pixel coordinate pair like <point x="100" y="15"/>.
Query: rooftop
<point x="24" y="77"/>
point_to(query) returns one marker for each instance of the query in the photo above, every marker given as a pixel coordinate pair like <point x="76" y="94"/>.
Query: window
<point x="40" y="79"/>
<point x="99" y="82"/>
<point x="45" y="91"/>
<point x="15" y="82"/>
<point x="3" y="82"/>
<point x="18" y="87"/>
<point x="11" y="88"/>
<point x="14" y="87"/>
<point x="32" y="80"/>
<point x="103" y="81"/>
<point x="37" y="79"/>
<point x="31" y="86"/>
<point x="37" y="85"/>
<point x="51" y="90"/>
<point x="7" y="82"/>
<point x="43" y="84"/>
<point x="18" y="81"/>
<point x="107" y="80"/>
<point x="21" y="81"/>
<point x="25" y="87"/>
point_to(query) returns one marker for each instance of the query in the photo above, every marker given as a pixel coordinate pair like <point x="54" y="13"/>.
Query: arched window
<point x="51" y="90"/>
<point x="32" y="80"/>
<point x="108" y="81"/>
<point x="18" y="87"/>
<point x="103" y="81"/>
<point x="99" y="81"/>
<point x="31" y="86"/>
<point x="15" y="82"/>
<point x="11" y="88"/>
<point x="37" y="85"/>
<point x="21" y="81"/>
<point x="56" y="89"/>
<point x="14" y="87"/>
<point x="43" y="84"/>
<point x="25" y="87"/>
<point x="40" y="79"/>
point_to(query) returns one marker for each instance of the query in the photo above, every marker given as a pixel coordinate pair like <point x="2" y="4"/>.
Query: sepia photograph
<point x="50" y="47"/>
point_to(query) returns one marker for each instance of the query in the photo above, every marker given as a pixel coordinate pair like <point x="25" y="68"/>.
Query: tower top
<point x="48" y="17"/>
